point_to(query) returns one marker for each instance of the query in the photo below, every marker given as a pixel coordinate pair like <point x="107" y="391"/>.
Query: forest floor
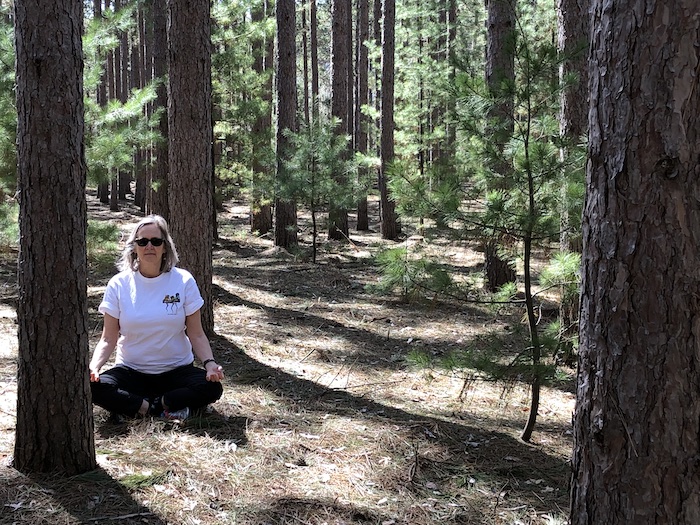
<point x="324" y="419"/>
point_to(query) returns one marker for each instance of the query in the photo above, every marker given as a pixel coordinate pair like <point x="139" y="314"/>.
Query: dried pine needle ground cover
<point x="323" y="421"/>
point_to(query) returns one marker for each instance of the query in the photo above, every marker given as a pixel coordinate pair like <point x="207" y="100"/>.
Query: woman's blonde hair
<point x="128" y="260"/>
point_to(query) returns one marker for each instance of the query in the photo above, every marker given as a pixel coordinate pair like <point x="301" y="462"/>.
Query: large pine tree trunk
<point x="190" y="193"/>
<point x="285" y="211"/>
<point x="637" y="419"/>
<point x="305" y="62"/>
<point x="54" y="431"/>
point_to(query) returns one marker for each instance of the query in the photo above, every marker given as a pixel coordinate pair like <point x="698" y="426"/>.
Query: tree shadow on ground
<point x="297" y="510"/>
<point x="211" y="423"/>
<point x="372" y="349"/>
<point x="470" y="447"/>
<point x="93" y="497"/>
<point x="343" y="281"/>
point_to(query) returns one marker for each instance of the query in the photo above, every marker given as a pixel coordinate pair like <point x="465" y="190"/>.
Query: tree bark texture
<point x="637" y="419"/>
<point x="54" y="431"/>
<point x="190" y="192"/>
<point x="285" y="211"/>
<point x="500" y="60"/>
<point x="305" y="62"/>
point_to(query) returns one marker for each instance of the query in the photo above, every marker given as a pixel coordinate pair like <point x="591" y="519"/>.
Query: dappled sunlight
<point x="324" y="417"/>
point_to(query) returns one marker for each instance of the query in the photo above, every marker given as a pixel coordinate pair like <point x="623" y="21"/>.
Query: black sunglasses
<point x="143" y="241"/>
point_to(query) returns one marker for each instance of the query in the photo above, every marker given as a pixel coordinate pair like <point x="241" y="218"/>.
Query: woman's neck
<point x="149" y="272"/>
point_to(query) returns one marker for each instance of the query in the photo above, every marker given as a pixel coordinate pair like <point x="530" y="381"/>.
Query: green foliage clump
<point x="242" y="130"/>
<point x="436" y="194"/>
<point x="564" y="269"/>
<point x="494" y="357"/>
<point x="140" y="481"/>
<point x="8" y="110"/>
<point x="564" y="272"/>
<point x="116" y="130"/>
<point x="113" y="131"/>
<point x="9" y="227"/>
<point x="101" y="241"/>
<point x="101" y="238"/>
<point x="413" y="275"/>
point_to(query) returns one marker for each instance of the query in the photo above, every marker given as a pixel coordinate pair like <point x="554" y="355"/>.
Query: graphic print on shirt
<point x="171" y="303"/>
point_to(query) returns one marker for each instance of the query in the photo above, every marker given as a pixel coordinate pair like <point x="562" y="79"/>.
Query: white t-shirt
<point x="151" y="313"/>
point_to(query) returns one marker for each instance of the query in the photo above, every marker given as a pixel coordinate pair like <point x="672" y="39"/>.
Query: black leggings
<point x="122" y="390"/>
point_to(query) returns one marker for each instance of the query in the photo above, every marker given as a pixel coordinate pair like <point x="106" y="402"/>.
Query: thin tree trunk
<point x="147" y="76"/>
<point x="500" y="71"/>
<point x="103" y="186"/>
<point x="158" y="191"/>
<point x="113" y="80"/>
<point x="350" y="71"/>
<point x="535" y="351"/>
<point x="285" y="211"/>
<point x="338" y="227"/>
<point x="261" y="210"/>
<point x="573" y="40"/>
<point x="450" y="130"/>
<point x="390" y="224"/>
<point x="137" y="81"/>
<point x="314" y="60"/>
<point x="123" y="94"/>
<point x="361" y="121"/>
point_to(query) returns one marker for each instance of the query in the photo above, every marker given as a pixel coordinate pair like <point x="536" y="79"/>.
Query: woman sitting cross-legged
<point x="152" y="317"/>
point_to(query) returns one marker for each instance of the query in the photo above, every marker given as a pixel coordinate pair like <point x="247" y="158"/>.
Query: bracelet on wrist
<point x="204" y="363"/>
